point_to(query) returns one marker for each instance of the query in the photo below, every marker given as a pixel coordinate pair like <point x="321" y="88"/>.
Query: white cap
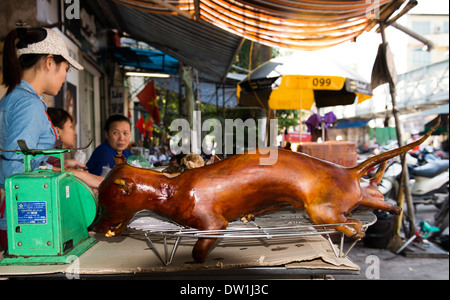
<point x="52" y="44"/>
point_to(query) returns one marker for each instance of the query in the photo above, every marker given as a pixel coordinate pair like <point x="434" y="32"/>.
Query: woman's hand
<point x="73" y="164"/>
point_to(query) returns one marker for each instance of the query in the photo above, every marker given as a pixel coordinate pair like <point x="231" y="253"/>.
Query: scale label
<point x="32" y="212"/>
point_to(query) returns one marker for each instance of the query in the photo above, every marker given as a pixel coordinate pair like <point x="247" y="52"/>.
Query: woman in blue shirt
<point x="36" y="65"/>
<point x="117" y="140"/>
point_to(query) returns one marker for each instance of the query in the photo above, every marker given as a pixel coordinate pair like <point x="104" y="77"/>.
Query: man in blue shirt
<point x="117" y="140"/>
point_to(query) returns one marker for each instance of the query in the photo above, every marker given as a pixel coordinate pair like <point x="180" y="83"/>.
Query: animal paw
<point x="358" y="236"/>
<point x="396" y="210"/>
<point x="248" y="218"/>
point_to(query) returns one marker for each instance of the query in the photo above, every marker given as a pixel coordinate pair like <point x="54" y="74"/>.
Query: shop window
<point x="420" y="58"/>
<point x="421" y="27"/>
<point x="87" y="110"/>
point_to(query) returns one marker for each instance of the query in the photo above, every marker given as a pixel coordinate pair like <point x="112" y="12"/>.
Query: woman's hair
<point x="115" y="118"/>
<point x="59" y="116"/>
<point x="13" y="66"/>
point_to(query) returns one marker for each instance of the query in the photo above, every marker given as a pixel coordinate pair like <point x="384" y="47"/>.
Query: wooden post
<point x="300" y="119"/>
<point x="398" y="129"/>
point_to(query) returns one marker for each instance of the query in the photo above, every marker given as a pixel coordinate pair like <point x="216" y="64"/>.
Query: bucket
<point x="379" y="234"/>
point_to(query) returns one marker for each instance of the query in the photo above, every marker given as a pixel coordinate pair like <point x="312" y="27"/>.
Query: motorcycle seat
<point x="431" y="169"/>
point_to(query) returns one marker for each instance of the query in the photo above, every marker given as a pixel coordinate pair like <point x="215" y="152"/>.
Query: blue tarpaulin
<point x="148" y="60"/>
<point x="351" y="123"/>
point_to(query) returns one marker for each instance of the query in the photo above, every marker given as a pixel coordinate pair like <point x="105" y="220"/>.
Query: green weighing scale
<point x="48" y="213"/>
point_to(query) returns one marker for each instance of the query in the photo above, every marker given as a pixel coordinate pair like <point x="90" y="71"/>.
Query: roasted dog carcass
<point x="207" y="198"/>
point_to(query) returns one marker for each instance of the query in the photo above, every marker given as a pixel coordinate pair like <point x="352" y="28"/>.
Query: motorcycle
<point x="429" y="182"/>
<point x="428" y="154"/>
<point x="441" y="222"/>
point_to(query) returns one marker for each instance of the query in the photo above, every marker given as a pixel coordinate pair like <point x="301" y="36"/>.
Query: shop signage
<point x="117" y="100"/>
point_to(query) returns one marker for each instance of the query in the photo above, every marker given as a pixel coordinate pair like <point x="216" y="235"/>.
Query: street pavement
<point x="386" y="265"/>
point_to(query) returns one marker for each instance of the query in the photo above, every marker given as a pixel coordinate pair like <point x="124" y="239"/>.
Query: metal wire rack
<point x="281" y="224"/>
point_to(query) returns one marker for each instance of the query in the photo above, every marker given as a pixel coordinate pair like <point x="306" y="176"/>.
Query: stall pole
<point x="405" y="175"/>
<point x="300" y="119"/>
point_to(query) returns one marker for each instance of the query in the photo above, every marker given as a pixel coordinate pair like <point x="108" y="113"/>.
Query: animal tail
<point x="366" y="165"/>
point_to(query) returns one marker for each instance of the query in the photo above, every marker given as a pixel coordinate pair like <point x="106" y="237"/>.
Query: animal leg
<point x="322" y="216"/>
<point x="382" y="205"/>
<point x="201" y="249"/>
<point x="251" y="216"/>
<point x="357" y="226"/>
<point x="355" y="230"/>
<point x="203" y="245"/>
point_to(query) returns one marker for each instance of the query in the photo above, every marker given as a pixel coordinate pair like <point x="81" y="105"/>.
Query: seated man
<point x="117" y="140"/>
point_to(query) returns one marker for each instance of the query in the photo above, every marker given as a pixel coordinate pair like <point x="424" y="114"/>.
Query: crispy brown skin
<point x="207" y="198"/>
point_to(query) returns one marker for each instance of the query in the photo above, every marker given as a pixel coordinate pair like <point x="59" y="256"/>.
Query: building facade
<point x="85" y="94"/>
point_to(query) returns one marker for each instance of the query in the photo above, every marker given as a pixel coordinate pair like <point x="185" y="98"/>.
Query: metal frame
<point x="282" y="224"/>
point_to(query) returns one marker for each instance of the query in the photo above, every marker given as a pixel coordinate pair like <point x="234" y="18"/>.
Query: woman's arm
<point x="90" y="179"/>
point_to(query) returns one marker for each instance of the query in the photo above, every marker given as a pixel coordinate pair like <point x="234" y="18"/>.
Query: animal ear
<point x="120" y="182"/>
<point x="376" y="179"/>
<point x="120" y="159"/>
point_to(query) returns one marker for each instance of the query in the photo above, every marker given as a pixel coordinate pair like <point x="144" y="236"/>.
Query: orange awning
<point x="303" y="25"/>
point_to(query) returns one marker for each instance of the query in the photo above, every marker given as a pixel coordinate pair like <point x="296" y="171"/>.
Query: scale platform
<point x="48" y="212"/>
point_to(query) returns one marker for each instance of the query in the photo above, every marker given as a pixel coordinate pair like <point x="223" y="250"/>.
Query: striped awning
<point x="206" y="34"/>
<point x="303" y="25"/>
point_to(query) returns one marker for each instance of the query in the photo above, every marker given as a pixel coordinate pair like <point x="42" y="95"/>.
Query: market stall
<point x="49" y="214"/>
<point x="43" y="206"/>
<point x="48" y="236"/>
<point x="250" y="252"/>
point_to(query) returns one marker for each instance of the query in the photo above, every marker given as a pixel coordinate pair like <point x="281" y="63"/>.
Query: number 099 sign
<point x="297" y="91"/>
<point x="314" y="82"/>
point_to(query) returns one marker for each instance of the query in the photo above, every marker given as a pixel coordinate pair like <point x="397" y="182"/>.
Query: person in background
<point x="63" y="123"/>
<point x="153" y="158"/>
<point x="35" y="62"/>
<point x="117" y="139"/>
<point x="414" y="137"/>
